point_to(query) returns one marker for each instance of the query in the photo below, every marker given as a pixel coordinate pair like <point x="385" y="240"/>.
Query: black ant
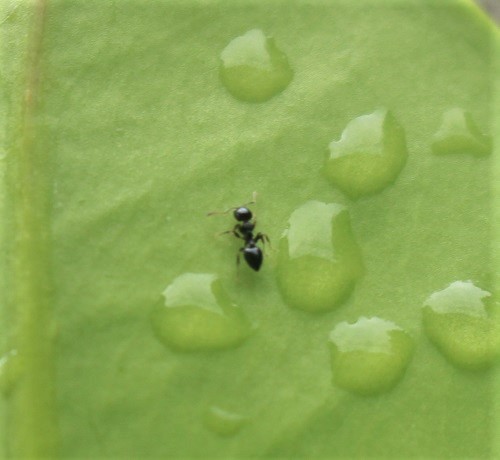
<point x="244" y="230"/>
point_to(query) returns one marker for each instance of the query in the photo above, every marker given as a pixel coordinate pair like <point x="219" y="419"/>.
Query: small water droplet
<point x="459" y="320"/>
<point x="253" y="68"/>
<point x="369" y="155"/>
<point x="198" y="315"/>
<point x="369" y="356"/>
<point x="223" y="422"/>
<point x="9" y="371"/>
<point x="319" y="260"/>
<point x="459" y="133"/>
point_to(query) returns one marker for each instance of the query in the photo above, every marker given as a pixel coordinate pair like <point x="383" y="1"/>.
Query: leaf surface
<point x="132" y="138"/>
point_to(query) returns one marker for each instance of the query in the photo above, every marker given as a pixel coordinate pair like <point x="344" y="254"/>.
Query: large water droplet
<point x="459" y="321"/>
<point x="198" y="315"/>
<point x="369" y="356"/>
<point x="319" y="260"/>
<point x="253" y="68"/>
<point x="9" y="371"/>
<point x="223" y="422"/>
<point x="460" y="134"/>
<point x="369" y="155"/>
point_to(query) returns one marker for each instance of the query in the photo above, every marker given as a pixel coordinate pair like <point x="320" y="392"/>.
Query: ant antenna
<point x="218" y="213"/>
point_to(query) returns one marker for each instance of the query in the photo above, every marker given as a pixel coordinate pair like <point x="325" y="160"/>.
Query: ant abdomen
<point x="253" y="257"/>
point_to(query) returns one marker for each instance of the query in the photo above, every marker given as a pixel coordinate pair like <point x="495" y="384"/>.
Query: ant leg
<point x="238" y="257"/>
<point x="233" y="231"/>
<point x="238" y="263"/>
<point x="262" y="237"/>
<point x="237" y="235"/>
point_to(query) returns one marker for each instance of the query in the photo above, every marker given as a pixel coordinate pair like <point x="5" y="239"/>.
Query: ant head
<point x="242" y="214"/>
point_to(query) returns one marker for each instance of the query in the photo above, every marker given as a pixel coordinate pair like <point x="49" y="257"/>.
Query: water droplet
<point x="319" y="260"/>
<point x="369" y="356"/>
<point x="223" y="422"/>
<point x="253" y="68"/>
<point x="9" y="371"/>
<point x="460" y="134"/>
<point x="198" y="315"/>
<point x="369" y="155"/>
<point x="459" y="321"/>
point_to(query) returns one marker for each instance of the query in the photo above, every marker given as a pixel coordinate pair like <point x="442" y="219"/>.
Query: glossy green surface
<point x="253" y="68"/>
<point x="462" y="320"/>
<point x="124" y="137"/>
<point x="197" y="314"/>
<point x="319" y="261"/>
<point x="223" y="422"/>
<point x="459" y="133"/>
<point x="369" y="155"/>
<point x="369" y="356"/>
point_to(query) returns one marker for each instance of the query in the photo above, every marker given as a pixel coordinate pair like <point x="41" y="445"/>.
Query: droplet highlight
<point x="253" y="68"/>
<point x="319" y="260"/>
<point x="369" y="356"/>
<point x="198" y="315"/>
<point x="459" y="133"/>
<point x="223" y="422"/>
<point x="369" y="155"/>
<point x="461" y="322"/>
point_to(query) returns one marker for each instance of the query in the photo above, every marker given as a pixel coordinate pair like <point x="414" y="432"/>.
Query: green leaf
<point x="119" y="136"/>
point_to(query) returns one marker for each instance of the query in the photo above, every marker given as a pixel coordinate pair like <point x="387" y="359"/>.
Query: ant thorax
<point x="247" y="227"/>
